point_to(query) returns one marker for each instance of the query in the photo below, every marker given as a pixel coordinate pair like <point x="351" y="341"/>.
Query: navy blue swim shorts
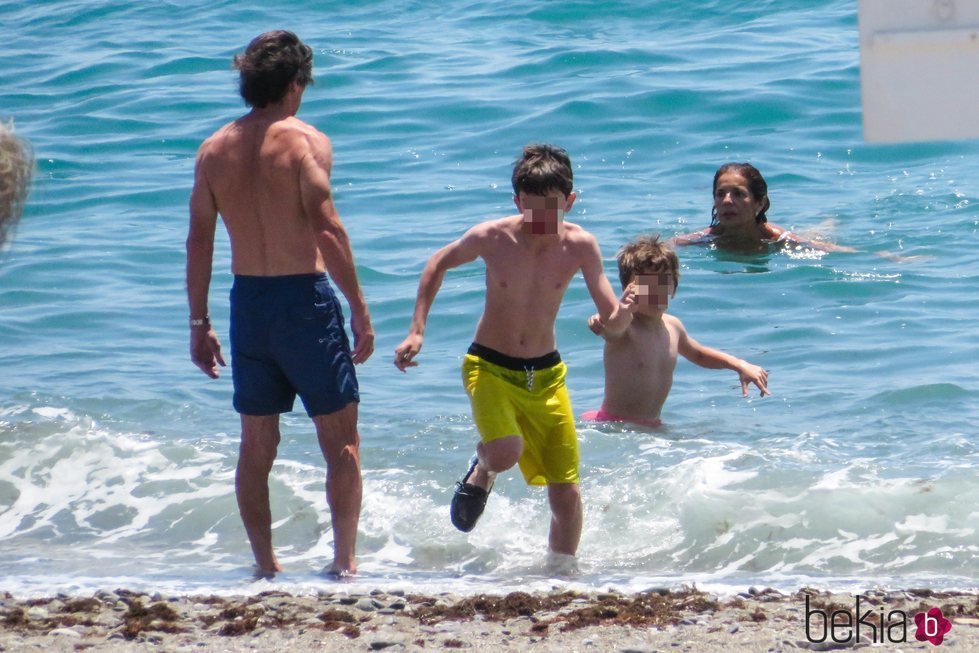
<point x="287" y="338"/>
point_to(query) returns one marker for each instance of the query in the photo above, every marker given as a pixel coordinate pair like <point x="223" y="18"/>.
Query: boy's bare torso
<point x="526" y="278"/>
<point x="639" y="367"/>
<point x="253" y="170"/>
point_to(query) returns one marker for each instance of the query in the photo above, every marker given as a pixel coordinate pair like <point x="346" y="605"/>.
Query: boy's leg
<point x="495" y="457"/>
<point x="566" y="517"/>
<point x="340" y="444"/>
<point x="259" y="442"/>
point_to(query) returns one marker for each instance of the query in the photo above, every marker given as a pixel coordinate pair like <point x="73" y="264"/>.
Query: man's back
<point x="254" y="168"/>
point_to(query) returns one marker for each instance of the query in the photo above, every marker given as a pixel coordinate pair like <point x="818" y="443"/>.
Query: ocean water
<point x="117" y="456"/>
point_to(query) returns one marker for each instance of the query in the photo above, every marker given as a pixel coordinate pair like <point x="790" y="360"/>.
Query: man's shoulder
<point x="299" y="135"/>
<point x="218" y="138"/>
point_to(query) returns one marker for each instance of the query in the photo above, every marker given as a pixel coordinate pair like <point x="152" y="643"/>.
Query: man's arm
<point x="454" y="254"/>
<point x="715" y="359"/>
<point x="205" y="349"/>
<point x="613" y="314"/>
<point x="331" y="238"/>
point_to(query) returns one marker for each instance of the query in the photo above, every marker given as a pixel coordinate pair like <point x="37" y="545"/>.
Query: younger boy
<point x="641" y="350"/>
<point x="513" y="373"/>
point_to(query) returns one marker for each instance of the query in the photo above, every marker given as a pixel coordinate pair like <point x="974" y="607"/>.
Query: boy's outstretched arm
<point x="715" y="359"/>
<point x="452" y="255"/>
<point x="626" y="302"/>
<point x="614" y="315"/>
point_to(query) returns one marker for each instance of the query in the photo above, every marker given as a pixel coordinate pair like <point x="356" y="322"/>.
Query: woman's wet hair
<point x="757" y="186"/>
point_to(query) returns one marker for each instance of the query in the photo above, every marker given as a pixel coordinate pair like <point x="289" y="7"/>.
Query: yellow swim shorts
<point x="532" y="404"/>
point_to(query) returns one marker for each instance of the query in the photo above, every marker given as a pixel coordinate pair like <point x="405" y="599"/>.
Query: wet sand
<point x="657" y="620"/>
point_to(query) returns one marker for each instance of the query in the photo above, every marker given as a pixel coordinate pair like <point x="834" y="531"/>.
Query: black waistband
<point x="513" y="363"/>
<point x="282" y="279"/>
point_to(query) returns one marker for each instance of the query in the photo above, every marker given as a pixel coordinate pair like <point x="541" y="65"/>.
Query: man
<point x="16" y="170"/>
<point x="268" y="175"/>
<point x="513" y="373"/>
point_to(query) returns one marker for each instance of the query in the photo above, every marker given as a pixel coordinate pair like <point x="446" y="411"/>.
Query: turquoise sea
<point x="117" y="455"/>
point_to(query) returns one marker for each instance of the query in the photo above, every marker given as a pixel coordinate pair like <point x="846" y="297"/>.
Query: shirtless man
<point x="268" y="175"/>
<point x="641" y="351"/>
<point x="513" y="373"/>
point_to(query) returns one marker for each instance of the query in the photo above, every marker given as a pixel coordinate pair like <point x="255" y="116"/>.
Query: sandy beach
<point x="657" y="620"/>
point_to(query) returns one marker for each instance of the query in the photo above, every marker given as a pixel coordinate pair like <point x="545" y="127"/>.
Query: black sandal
<point x="468" y="501"/>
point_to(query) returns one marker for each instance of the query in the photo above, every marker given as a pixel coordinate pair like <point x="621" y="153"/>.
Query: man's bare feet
<point x="266" y="574"/>
<point x="338" y="574"/>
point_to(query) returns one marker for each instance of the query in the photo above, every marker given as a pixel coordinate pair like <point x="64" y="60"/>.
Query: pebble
<point x="733" y="629"/>
<point x="448" y="627"/>
<point x="65" y="632"/>
<point x="662" y="591"/>
<point x="348" y="600"/>
<point x="367" y="605"/>
<point x="381" y="644"/>
<point x="37" y="612"/>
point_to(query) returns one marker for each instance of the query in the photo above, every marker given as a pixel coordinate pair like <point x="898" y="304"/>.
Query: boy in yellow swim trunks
<point x="513" y="373"/>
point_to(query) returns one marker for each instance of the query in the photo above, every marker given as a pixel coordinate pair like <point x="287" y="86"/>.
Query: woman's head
<point x="740" y="193"/>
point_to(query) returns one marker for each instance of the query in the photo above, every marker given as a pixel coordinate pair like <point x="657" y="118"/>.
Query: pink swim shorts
<point x="603" y="416"/>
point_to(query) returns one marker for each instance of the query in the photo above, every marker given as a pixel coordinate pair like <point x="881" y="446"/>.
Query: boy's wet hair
<point x="541" y="169"/>
<point x="270" y="63"/>
<point x="16" y="170"/>
<point x="647" y="255"/>
<point x="757" y="186"/>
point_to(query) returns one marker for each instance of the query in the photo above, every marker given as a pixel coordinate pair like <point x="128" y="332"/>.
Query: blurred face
<point x="543" y="214"/>
<point x="735" y="205"/>
<point x="653" y="289"/>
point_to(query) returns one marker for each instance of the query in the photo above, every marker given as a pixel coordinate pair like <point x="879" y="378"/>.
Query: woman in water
<point x="739" y="220"/>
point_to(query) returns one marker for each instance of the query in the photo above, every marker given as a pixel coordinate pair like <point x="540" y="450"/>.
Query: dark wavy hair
<point x="270" y="63"/>
<point x="542" y="168"/>
<point x="757" y="186"/>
